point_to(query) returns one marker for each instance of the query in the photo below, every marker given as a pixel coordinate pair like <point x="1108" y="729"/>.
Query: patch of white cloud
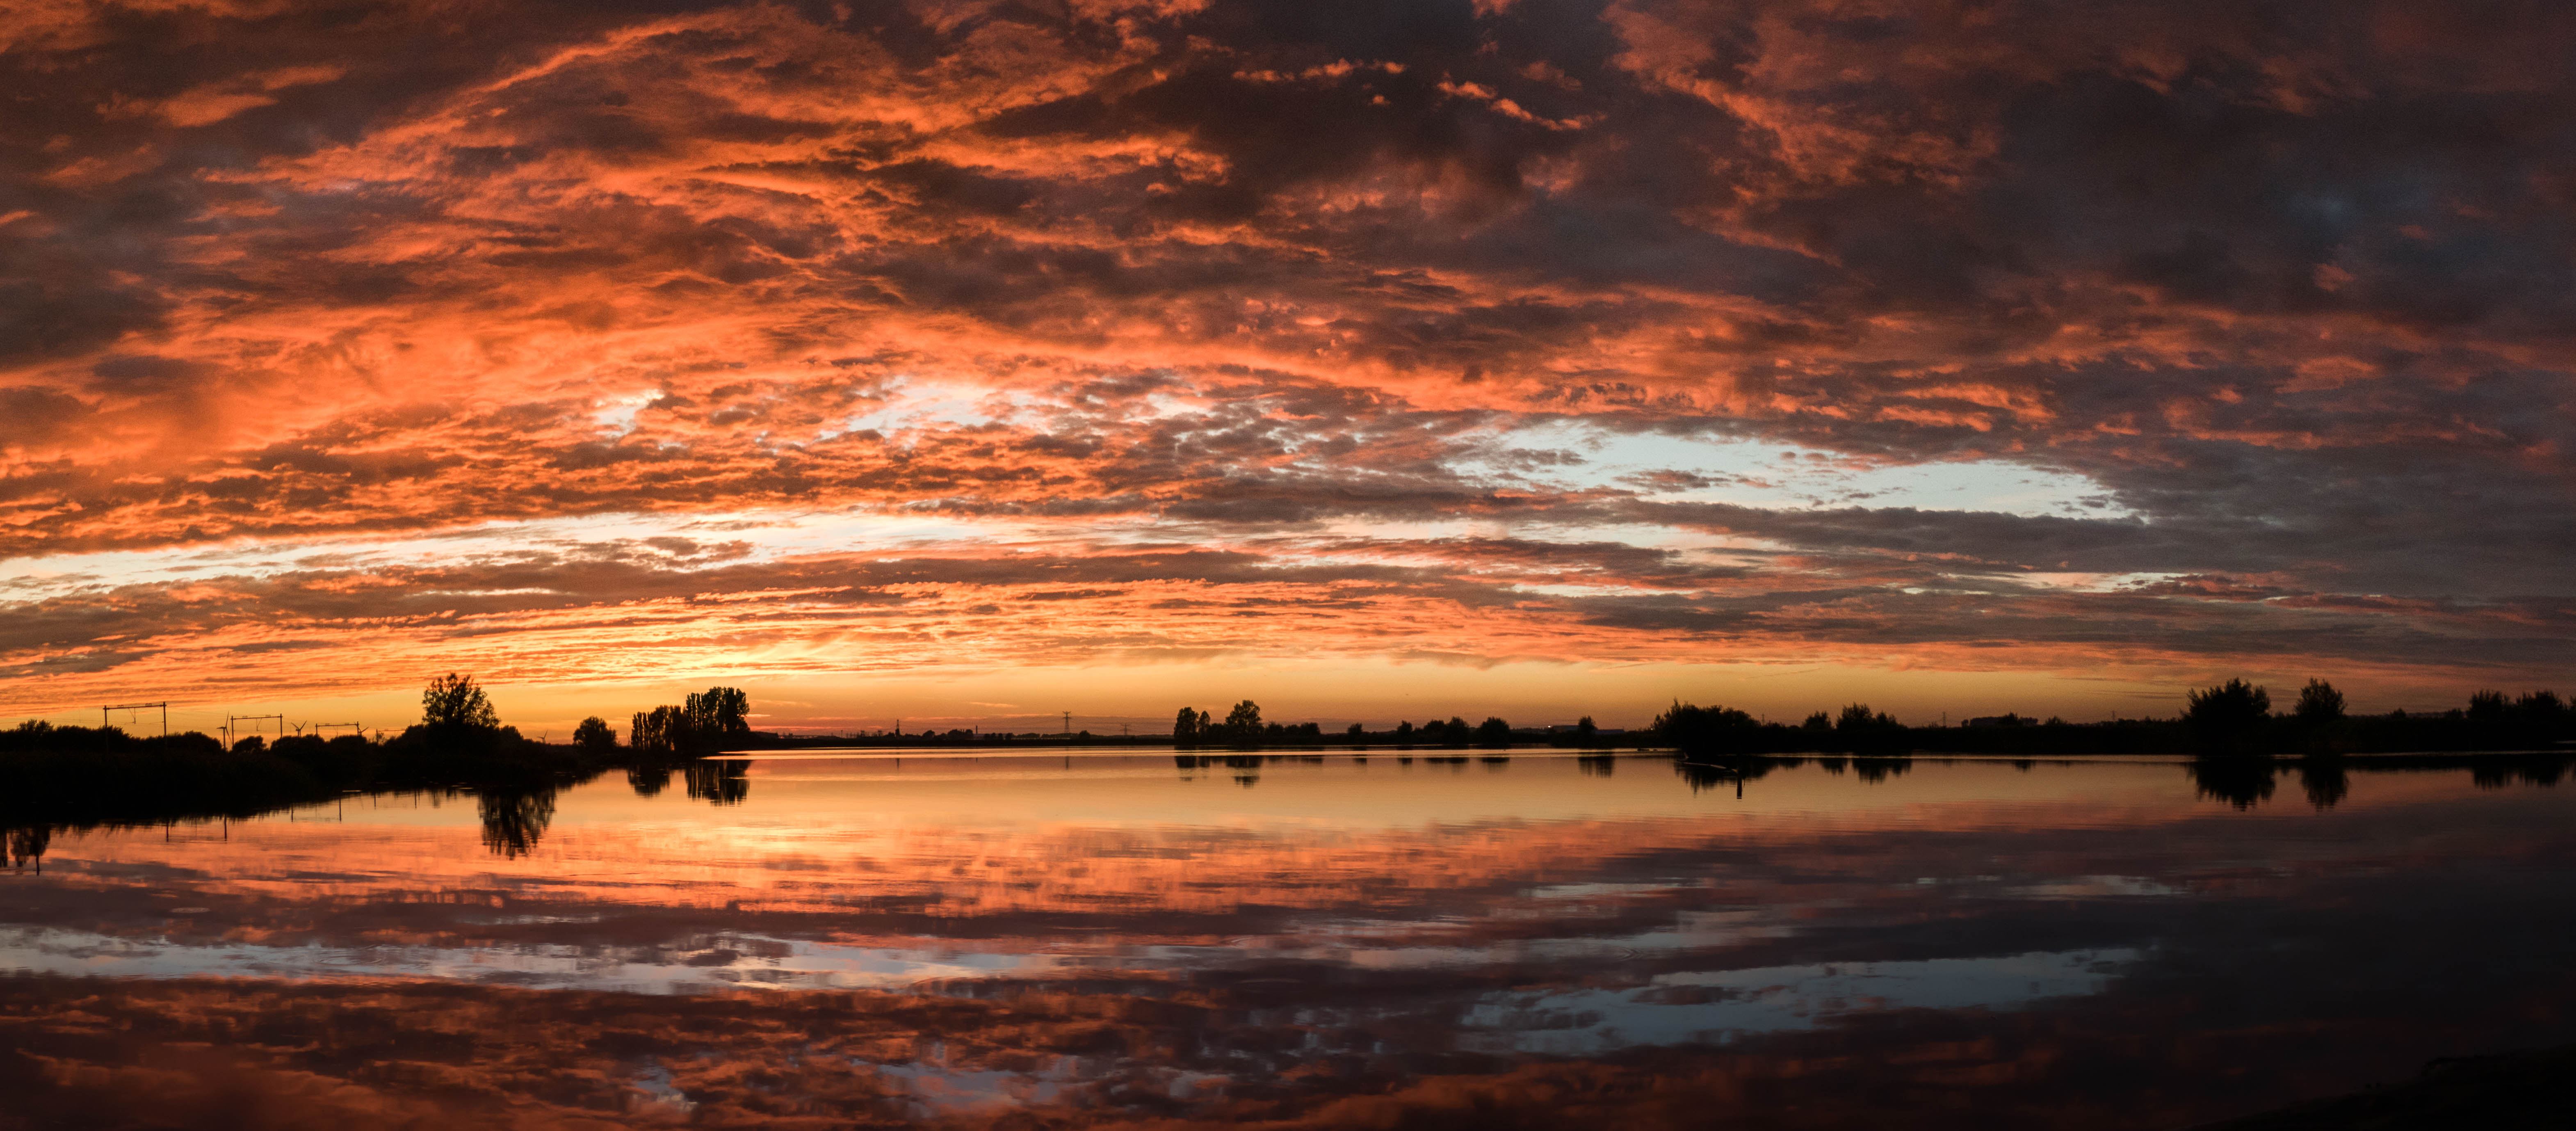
<point x="1776" y="475"/>
<point x="906" y="405"/>
<point x="616" y="415"/>
<point x="704" y="542"/>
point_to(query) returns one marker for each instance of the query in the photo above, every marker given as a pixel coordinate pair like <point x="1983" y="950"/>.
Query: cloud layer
<point x="1229" y="303"/>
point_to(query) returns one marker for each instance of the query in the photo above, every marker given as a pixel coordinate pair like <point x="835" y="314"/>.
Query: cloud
<point x="2285" y="286"/>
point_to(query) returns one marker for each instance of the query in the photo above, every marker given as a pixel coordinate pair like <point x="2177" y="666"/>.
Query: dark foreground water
<point x="1294" y="942"/>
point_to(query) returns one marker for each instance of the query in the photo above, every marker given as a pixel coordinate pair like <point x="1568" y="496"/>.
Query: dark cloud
<point x="2285" y="285"/>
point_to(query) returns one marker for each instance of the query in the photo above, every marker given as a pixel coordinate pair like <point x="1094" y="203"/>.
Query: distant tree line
<point x="2233" y="719"/>
<point x="1244" y="728"/>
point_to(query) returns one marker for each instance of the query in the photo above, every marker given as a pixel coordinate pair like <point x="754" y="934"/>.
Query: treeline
<point x="1244" y="728"/>
<point x="2231" y="719"/>
<point x="88" y="776"/>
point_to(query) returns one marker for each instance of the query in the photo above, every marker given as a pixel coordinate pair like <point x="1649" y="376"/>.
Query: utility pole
<point x="164" y="706"/>
<point x="229" y="720"/>
<point x="1068" y="726"/>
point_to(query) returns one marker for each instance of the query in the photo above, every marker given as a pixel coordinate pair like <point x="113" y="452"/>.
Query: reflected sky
<point x="1325" y="939"/>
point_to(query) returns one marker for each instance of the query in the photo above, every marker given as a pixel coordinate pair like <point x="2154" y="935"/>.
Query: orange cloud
<point x="386" y="274"/>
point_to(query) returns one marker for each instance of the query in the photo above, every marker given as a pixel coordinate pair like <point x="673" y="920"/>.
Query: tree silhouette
<point x="1185" y="727"/>
<point x="719" y="711"/>
<point x="1243" y="723"/>
<point x="1700" y="732"/>
<point x="1858" y="717"/>
<point x="2228" y="718"/>
<point x="2321" y="724"/>
<point x="1493" y="732"/>
<point x="453" y="700"/>
<point x="701" y="724"/>
<point x="2319" y="704"/>
<point x="2488" y="707"/>
<point x="662" y="730"/>
<point x="594" y="735"/>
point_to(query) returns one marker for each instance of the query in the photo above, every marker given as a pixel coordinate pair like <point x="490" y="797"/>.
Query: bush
<point x="2228" y="718"/>
<point x="594" y="735"/>
<point x="1698" y="732"/>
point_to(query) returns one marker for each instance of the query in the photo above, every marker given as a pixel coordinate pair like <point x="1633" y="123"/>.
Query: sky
<point x="968" y="363"/>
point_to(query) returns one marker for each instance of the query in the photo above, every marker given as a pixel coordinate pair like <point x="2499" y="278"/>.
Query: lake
<point x="1413" y="940"/>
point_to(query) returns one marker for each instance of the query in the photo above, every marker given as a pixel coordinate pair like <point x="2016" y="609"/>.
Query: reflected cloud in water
<point x="1369" y="940"/>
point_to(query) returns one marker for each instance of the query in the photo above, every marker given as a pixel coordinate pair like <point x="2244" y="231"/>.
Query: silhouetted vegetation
<point x="454" y="700"/>
<point x="1243" y="728"/>
<point x="709" y="721"/>
<point x="85" y="777"/>
<point x="2228" y="719"/>
<point x="1187" y="727"/>
<point x="2504" y="1092"/>
<point x="594" y="734"/>
<point x="2231" y="720"/>
<point x="80" y="777"/>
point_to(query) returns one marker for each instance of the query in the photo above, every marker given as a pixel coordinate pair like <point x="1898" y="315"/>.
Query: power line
<point x="229" y="720"/>
<point x="164" y="706"/>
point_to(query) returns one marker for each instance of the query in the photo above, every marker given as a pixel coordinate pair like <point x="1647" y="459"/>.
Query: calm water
<point x="1325" y="942"/>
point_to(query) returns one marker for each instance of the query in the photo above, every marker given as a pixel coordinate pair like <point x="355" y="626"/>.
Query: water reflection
<point x="648" y="781"/>
<point x="26" y="847"/>
<point x="2324" y="781"/>
<point x="514" y="820"/>
<point x="1360" y="940"/>
<point x="2241" y="782"/>
<point x="718" y="782"/>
